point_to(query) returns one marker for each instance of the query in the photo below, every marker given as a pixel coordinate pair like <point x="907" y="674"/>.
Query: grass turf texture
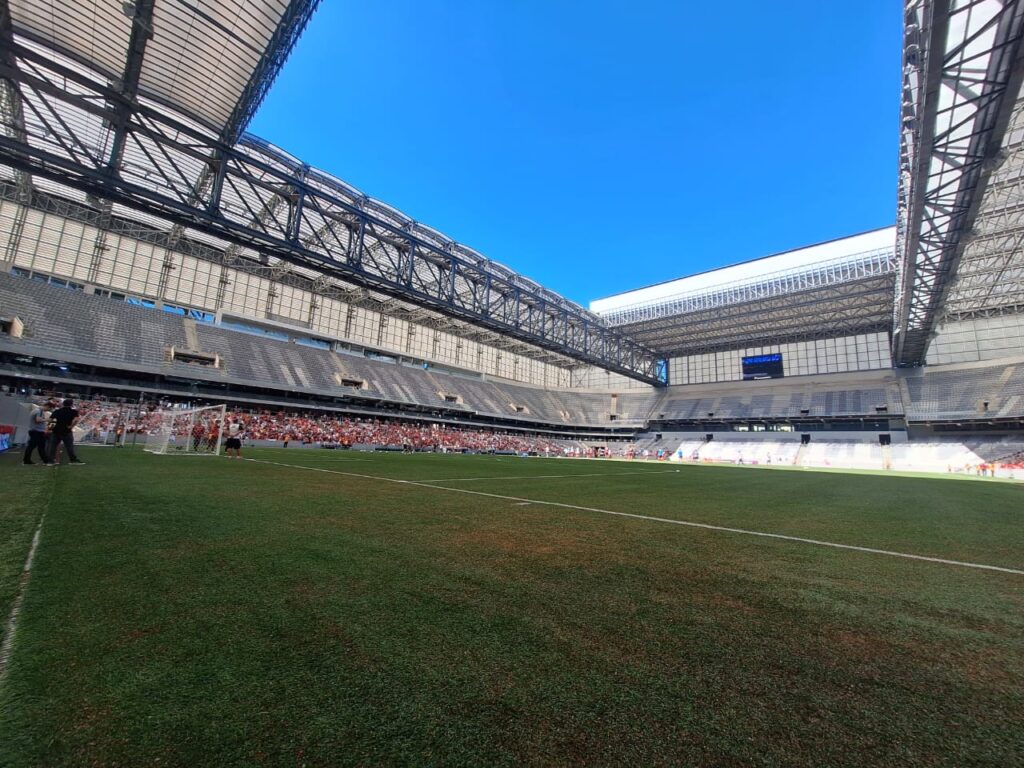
<point x="24" y="494"/>
<point x="200" y="611"/>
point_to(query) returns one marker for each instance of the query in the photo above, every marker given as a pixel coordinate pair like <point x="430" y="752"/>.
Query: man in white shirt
<point x="234" y="441"/>
<point x="37" y="435"/>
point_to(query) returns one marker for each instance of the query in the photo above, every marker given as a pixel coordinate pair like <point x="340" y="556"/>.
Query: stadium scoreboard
<point x="763" y="367"/>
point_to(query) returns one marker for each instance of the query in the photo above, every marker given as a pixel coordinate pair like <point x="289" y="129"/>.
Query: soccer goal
<point x="191" y="432"/>
<point x="104" y="425"/>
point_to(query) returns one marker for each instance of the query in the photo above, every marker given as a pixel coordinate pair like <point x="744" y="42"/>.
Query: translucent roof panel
<point x="956" y="245"/>
<point x="798" y="260"/>
<point x="203" y="54"/>
<point x="201" y="59"/>
<point x="94" y="31"/>
<point x="990" y="275"/>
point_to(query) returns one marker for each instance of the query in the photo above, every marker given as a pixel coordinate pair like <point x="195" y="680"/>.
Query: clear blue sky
<point x="602" y="146"/>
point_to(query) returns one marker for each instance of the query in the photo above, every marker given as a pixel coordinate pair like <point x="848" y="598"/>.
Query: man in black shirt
<point x="63" y="419"/>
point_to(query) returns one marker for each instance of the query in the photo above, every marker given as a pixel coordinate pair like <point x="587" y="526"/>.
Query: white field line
<point x="548" y="477"/>
<point x="12" y="619"/>
<point x="633" y="515"/>
<point x="333" y="460"/>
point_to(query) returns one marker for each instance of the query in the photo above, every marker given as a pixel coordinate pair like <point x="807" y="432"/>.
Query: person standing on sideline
<point x="37" y="436"/>
<point x="63" y="420"/>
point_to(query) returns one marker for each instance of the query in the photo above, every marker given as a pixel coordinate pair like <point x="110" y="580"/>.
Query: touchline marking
<point x="333" y="460"/>
<point x="686" y="523"/>
<point x="12" y="619"/>
<point x="548" y="477"/>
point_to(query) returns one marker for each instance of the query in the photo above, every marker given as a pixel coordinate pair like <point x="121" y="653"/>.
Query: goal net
<point x="193" y="431"/>
<point x="104" y="425"/>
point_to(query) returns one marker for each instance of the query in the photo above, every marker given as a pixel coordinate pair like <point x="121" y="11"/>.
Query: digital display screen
<point x="763" y="367"/>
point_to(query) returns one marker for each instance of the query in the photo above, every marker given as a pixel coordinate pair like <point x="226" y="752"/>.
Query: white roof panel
<point x="202" y="55"/>
<point x="199" y="60"/>
<point x="96" y="31"/>
<point x="857" y="245"/>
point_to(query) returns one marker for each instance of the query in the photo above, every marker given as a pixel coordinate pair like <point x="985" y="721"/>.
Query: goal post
<point x="105" y="424"/>
<point x="187" y="432"/>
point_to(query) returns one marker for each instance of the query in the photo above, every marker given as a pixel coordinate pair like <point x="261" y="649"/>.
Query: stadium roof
<point x="113" y="107"/>
<point x="959" y="233"/>
<point x="211" y="60"/>
<point x="836" y="288"/>
<point x="135" y="111"/>
<point x="990" y="275"/>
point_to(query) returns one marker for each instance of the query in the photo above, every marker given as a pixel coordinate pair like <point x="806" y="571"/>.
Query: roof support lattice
<point x="394" y="256"/>
<point x="962" y="74"/>
<point x="12" y="113"/>
<point x="294" y="20"/>
<point x="142" y="32"/>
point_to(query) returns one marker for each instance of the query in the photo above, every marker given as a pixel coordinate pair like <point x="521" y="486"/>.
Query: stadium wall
<point x="52" y="245"/>
<point x="978" y="339"/>
<point x="863" y="352"/>
<point x="14" y="413"/>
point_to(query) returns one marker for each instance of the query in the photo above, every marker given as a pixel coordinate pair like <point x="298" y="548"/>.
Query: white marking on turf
<point x="12" y="619"/>
<point x="333" y="460"/>
<point x="545" y="477"/>
<point x="649" y="518"/>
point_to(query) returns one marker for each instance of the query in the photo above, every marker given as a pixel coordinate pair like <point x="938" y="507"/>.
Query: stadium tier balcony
<point x="75" y="324"/>
<point x="966" y="392"/>
<point x="71" y="325"/>
<point x="790" y="398"/>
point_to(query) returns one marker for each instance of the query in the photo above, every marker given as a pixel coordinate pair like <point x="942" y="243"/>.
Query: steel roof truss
<point x="957" y="103"/>
<point x="243" y="211"/>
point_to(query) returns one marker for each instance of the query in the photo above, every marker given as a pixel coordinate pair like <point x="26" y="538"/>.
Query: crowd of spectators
<point x="1014" y="461"/>
<point x="327" y="429"/>
<point x="101" y="418"/>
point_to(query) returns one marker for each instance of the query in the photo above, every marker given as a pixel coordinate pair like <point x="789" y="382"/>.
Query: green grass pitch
<point x="187" y="611"/>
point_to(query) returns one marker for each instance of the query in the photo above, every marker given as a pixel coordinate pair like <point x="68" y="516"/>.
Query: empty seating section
<point x="843" y="453"/>
<point x="810" y="400"/>
<point x="74" y="324"/>
<point x="251" y="358"/>
<point x="995" y="450"/>
<point x="1003" y="458"/>
<point x="649" y="443"/>
<point x="359" y="369"/>
<point x="663" y="441"/>
<point x="637" y="406"/>
<point x="534" y="402"/>
<point x="932" y="456"/>
<point x="952" y="456"/>
<point x="962" y="393"/>
<point x="744" y="451"/>
<point x="585" y="407"/>
<point x="687" y="449"/>
<point x="1012" y="393"/>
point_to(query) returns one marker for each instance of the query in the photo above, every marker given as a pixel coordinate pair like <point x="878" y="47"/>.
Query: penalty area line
<point x="652" y="519"/>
